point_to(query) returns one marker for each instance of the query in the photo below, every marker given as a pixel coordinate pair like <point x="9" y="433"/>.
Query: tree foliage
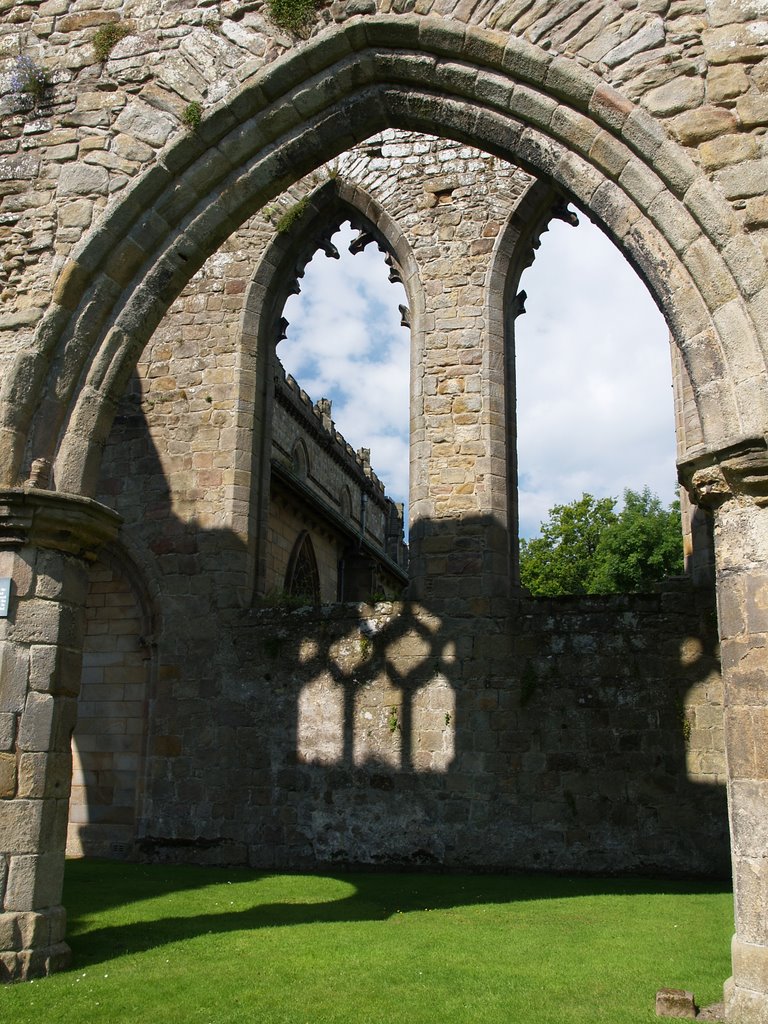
<point x="586" y="547"/>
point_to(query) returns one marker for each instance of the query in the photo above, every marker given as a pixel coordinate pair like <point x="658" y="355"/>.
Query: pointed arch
<point x="490" y="89"/>
<point x="275" y="279"/>
<point x="302" y="579"/>
<point x="512" y="253"/>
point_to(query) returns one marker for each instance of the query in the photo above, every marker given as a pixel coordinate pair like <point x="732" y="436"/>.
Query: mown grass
<point x="161" y="945"/>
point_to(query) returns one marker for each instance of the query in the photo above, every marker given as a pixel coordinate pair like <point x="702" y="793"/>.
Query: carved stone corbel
<point x="738" y="471"/>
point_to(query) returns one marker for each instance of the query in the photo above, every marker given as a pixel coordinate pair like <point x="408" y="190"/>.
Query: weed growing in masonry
<point x="292" y="215"/>
<point x="107" y="38"/>
<point x="29" y="79"/>
<point x="192" y="116"/>
<point x="365" y="646"/>
<point x="393" y="722"/>
<point x="292" y="15"/>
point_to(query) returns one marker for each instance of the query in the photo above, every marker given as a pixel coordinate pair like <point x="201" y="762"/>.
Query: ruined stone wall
<point x="699" y="67"/>
<point x="177" y="465"/>
<point x="586" y="736"/>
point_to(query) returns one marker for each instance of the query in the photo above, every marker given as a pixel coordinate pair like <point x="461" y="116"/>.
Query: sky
<point x="594" y="382"/>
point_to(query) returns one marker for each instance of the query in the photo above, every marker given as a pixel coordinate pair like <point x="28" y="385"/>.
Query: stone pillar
<point x="734" y="484"/>
<point x="46" y="541"/>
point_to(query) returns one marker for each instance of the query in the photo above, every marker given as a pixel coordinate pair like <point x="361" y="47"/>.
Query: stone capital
<point x="738" y="471"/>
<point x="62" y="522"/>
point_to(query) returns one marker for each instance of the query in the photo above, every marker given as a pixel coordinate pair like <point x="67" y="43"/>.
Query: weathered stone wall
<point x="700" y="68"/>
<point x="178" y="463"/>
<point x="585" y="736"/>
<point x="108" y="749"/>
<point x="652" y="114"/>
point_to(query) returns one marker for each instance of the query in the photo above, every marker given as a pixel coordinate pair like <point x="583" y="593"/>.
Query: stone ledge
<point x="49" y="519"/>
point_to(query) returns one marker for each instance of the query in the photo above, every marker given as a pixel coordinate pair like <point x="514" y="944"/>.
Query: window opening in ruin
<point x="302" y="580"/>
<point x="594" y="399"/>
<point x="345" y="342"/>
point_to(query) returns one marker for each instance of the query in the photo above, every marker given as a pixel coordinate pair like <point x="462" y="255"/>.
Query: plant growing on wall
<point x="29" y="79"/>
<point x="107" y="38"/>
<point x="292" y="215"/>
<point x="292" y="15"/>
<point x="192" y="116"/>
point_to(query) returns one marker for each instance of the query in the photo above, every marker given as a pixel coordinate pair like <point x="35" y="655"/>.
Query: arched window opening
<point x="302" y="580"/>
<point x="300" y="460"/>
<point x="345" y="342"/>
<point x="595" y="415"/>
<point x="342" y="380"/>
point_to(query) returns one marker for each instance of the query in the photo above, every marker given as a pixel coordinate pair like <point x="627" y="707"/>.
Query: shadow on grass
<point x="94" y="887"/>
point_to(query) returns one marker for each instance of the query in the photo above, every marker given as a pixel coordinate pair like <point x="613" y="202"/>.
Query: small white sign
<point x="5" y="596"/>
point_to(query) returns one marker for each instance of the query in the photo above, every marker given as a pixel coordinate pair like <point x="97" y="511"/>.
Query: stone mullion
<point x="40" y="664"/>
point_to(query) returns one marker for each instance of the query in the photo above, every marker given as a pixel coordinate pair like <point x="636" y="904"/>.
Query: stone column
<point x="734" y="484"/>
<point x="46" y="541"/>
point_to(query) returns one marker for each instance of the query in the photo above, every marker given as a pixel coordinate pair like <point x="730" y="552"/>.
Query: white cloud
<point x="595" y="406"/>
<point x="594" y="380"/>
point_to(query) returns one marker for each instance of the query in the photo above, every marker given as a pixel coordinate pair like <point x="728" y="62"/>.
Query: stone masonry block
<point x="675" y="1002"/>
<point x="756" y="586"/>
<point x="30" y="930"/>
<point x="19" y="565"/>
<point x="7" y="731"/>
<point x="34" y="881"/>
<point x="749" y="817"/>
<point x="61" y="576"/>
<point x="22" y="824"/>
<point x="571" y="82"/>
<point x="45" y="775"/>
<point x="746" y="730"/>
<point x="750" y="880"/>
<point x="36" y="621"/>
<point x="38" y="722"/>
<point x="43" y="669"/>
<point x="750" y="964"/>
<point x="7" y="776"/>
<point x="14" y="668"/>
<point x="730" y="608"/>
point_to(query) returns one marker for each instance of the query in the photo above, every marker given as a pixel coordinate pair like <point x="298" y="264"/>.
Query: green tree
<point x="643" y="546"/>
<point x="586" y="547"/>
<point x="561" y="559"/>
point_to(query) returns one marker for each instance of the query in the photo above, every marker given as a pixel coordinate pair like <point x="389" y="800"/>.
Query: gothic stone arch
<point x="576" y="103"/>
<point x="275" y="279"/>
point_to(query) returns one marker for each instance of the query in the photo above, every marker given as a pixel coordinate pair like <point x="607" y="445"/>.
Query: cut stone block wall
<point x="584" y="735"/>
<point x="108" y="746"/>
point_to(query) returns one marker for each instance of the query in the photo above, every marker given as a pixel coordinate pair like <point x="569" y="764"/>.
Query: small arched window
<point x="345" y="504"/>
<point x="302" y="580"/>
<point x="300" y="460"/>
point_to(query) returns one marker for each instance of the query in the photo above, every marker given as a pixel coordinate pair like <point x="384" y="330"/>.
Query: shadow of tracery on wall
<point x="571" y="734"/>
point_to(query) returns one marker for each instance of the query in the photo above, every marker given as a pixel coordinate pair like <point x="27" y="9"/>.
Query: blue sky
<point x="594" y="382"/>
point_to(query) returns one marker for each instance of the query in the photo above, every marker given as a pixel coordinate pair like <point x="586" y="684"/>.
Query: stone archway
<point x="561" y="120"/>
<point x="546" y="112"/>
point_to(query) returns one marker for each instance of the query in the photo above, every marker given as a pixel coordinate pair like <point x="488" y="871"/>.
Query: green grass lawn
<point x="161" y="945"/>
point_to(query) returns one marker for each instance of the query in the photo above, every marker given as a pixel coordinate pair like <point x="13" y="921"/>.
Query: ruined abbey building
<point x="161" y="479"/>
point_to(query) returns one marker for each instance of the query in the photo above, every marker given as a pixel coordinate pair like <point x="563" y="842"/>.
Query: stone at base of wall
<point x="34" y="963"/>
<point x="31" y="944"/>
<point x="744" y="1006"/>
